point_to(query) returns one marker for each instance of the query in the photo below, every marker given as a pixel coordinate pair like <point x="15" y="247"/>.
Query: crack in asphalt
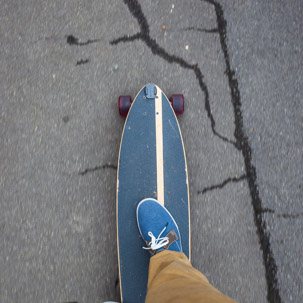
<point x="117" y="282"/>
<point x="82" y="61"/>
<point x="290" y="216"/>
<point x="273" y="294"/>
<point x="98" y="167"/>
<point x="203" y="30"/>
<point x="222" y="184"/>
<point x="281" y="215"/>
<point x="263" y="210"/>
<point x="144" y="35"/>
<point x="72" y="40"/>
<point x="126" y="38"/>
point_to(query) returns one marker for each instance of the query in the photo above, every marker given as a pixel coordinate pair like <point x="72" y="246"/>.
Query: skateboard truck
<point x="150" y="91"/>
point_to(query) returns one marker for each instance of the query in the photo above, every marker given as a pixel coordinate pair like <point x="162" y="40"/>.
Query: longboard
<point x="151" y="164"/>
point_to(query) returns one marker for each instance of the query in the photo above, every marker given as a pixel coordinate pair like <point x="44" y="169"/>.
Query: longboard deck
<point x="152" y="164"/>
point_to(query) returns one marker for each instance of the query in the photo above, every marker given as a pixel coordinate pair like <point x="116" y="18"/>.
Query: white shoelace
<point x="158" y="242"/>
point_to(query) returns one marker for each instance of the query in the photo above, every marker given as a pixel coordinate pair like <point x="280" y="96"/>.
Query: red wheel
<point x="124" y="105"/>
<point x="177" y="102"/>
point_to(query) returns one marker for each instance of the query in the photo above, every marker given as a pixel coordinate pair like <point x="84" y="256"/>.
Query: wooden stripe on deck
<point x="159" y="146"/>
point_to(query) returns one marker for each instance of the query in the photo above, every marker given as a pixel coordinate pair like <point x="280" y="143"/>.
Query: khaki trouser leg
<point x="172" y="279"/>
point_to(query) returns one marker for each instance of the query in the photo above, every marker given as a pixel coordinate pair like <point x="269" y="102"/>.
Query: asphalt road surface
<point x="63" y="66"/>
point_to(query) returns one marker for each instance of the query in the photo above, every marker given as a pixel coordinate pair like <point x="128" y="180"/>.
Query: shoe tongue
<point x="172" y="237"/>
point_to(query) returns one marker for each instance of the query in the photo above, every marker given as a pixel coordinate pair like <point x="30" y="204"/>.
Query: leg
<point x="172" y="279"/>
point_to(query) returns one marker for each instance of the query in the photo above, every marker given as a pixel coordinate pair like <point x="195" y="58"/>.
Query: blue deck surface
<point x="137" y="179"/>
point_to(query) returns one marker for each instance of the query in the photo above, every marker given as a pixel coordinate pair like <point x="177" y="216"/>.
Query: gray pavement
<point x="266" y="48"/>
<point x="63" y="66"/>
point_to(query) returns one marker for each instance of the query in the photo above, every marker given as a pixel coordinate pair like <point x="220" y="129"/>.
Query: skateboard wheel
<point x="177" y="102"/>
<point x="124" y="104"/>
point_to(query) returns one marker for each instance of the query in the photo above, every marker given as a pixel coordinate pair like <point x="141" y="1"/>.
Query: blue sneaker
<point x="157" y="227"/>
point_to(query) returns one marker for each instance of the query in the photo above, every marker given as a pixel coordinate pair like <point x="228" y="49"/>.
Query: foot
<point x="157" y="227"/>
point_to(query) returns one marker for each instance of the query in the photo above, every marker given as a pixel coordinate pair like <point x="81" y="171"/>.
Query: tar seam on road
<point x="99" y="167"/>
<point x="273" y="295"/>
<point x="80" y="62"/>
<point x="281" y="215"/>
<point x="203" y="30"/>
<point x="222" y="184"/>
<point x="72" y="40"/>
<point x="241" y="143"/>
